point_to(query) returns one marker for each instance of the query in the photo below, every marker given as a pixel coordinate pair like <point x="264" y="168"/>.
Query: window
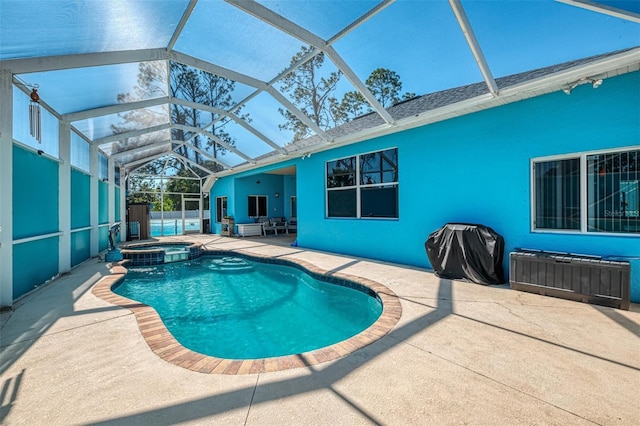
<point x="257" y="205"/>
<point x="365" y="185"/>
<point x="294" y="206"/>
<point x="221" y="208"/>
<point x="557" y="194"/>
<point x="594" y="192"/>
<point x="103" y="167"/>
<point x="612" y="194"/>
<point x="80" y="153"/>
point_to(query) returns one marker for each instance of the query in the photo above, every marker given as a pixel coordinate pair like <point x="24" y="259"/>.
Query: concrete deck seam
<point x="255" y="388"/>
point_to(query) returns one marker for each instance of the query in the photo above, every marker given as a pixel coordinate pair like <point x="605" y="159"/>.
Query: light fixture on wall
<point x="277" y="194"/>
<point x="595" y="83"/>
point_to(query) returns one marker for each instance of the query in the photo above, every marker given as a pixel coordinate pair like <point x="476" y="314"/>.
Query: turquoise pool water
<point x="235" y="308"/>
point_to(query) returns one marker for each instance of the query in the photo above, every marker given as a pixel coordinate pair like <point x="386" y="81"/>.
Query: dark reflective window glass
<point x="379" y="167"/>
<point x="381" y="201"/>
<point x="557" y="194"/>
<point x="342" y="203"/>
<point x="613" y="195"/>
<point x="341" y="172"/>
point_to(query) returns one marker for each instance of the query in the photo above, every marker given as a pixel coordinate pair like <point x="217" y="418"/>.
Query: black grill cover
<point x="466" y="251"/>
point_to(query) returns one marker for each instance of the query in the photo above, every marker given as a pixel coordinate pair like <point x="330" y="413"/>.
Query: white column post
<point x="6" y="189"/>
<point x="111" y="173"/>
<point x="124" y="231"/>
<point x="64" y="197"/>
<point x="93" y="202"/>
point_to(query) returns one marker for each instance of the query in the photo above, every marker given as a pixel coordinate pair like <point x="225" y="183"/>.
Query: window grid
<point x="363" y="186"/>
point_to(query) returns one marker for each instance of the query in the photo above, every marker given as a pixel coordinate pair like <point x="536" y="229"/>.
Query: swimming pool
<point x="234" y="307"/>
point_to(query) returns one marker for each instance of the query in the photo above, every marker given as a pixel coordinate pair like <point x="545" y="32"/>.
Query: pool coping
<point x="164" y="345"/>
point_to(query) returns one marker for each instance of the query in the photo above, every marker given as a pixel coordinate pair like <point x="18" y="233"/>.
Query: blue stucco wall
<point x="238" y="188"/>
<point x="473" y="169"/>
<point x="289" y="191"/>
<point x="476" y="169"/>
<point x="221" y="188"/>
<point x="269" y="185"/>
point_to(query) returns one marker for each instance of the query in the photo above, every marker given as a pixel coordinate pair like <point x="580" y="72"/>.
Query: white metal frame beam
<point x="232" y="116"/>
<point x="143" y="148"/>
<point x="114" y="109"/>
<point x="605" y="9"/>
<point x="65" y="62"/>
<point x="131" y="134"/>
<point x="201" y="152"/>
<point x="474" y="45"/>
<point x="6" y="188"/>
<point x="214" y="138"/>
<point x="277" y="21"/>
<point x="181" y="24"/>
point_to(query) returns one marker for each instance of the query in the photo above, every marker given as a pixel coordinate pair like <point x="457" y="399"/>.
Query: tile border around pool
<point x="163" y="344"/>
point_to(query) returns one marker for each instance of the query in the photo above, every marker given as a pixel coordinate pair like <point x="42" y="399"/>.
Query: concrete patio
<point x="461" y="354"/>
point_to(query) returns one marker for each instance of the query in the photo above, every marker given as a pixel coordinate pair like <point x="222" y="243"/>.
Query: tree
<point x="185" y="83"/>
<point x="384" y="84"/>
<point x="314" y="95"/>
<point x="311" y="93"/>
<point x="353" y="104"/>
<point x="176" y="186"/>
<point x="152" y="77"/>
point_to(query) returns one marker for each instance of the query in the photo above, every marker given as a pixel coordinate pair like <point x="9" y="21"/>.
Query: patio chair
<point x="292" y="224"/>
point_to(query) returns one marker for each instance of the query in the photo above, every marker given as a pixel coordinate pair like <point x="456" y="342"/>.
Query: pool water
<point x="235" y="308"/>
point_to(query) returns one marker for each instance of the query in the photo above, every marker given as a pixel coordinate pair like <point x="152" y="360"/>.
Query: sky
<point x="418" y="39"/>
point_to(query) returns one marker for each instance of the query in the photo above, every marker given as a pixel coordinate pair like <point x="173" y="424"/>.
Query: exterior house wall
<point x="476" y="169"/>
<point x="473" y="169"/>
<point x="221" y="188"/>
<point x="237" y="189"/>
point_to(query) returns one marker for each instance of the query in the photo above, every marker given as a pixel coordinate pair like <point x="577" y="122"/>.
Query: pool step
<point x="232" y="264"/>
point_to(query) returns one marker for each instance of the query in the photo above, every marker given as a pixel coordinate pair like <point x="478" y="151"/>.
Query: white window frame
<point x="584" y="211"/>
<point x="358" y="187"/>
